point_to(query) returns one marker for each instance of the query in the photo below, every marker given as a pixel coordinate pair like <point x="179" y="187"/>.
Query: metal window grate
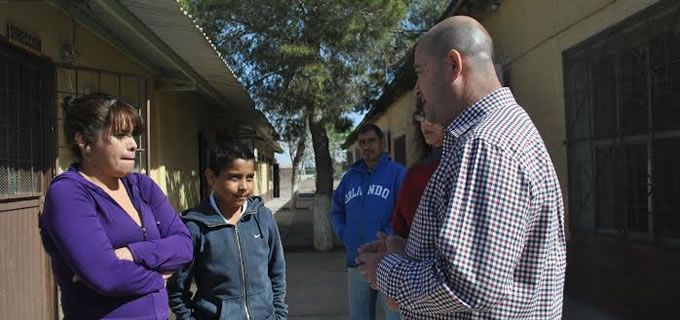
<point x="400" y="149"/>
<point x="622" y="92"/>
<point x="24" y="86"/>
<point x="77" y="81"/>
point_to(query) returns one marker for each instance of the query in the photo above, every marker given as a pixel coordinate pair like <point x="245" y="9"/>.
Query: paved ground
<point x="316" y="280"/>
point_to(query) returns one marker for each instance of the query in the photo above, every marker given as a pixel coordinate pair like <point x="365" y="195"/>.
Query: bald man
<point x="488" y="239"/>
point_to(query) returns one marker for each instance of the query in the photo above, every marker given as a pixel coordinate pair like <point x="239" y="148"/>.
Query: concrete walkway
<point x="316" y="281"/>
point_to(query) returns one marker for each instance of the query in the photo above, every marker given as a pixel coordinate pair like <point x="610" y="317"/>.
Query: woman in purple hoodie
<point x="112" y="235"/>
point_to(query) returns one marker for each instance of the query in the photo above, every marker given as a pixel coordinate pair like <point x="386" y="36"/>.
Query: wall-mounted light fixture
<point x="68" y="50"/>
<point x="68" y="53"/>
<point x="495" y="4"/>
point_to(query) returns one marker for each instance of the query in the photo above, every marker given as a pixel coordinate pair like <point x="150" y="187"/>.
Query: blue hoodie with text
<point x="363" y="203"/>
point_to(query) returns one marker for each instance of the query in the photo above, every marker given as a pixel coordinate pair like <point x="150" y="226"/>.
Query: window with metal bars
<point x="622" y="92"/>
<point x="25" y="87"/>
<point x="133" y="89"/>
<point x="400" y="149"/>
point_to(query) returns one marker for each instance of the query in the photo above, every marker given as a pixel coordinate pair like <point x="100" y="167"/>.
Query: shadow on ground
<point x="316" y="281"/>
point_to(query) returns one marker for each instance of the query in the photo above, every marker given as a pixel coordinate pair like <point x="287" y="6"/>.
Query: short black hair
<point x="221" y="157"/>
<point x="371" y="127"/>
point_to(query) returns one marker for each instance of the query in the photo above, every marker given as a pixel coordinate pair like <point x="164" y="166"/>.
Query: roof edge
<point x="404" y="80"/>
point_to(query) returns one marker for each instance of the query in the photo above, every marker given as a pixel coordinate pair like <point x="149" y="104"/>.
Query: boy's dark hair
<point x="98" y="113"/>
<point x="371" y="127"/>
<point x="222" y="156"/>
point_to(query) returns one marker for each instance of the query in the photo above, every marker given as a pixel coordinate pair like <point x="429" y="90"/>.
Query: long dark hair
<point x="98" y="114"/>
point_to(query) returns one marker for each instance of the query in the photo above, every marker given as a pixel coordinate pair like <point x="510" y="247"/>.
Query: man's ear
<point x="455" y="60"/>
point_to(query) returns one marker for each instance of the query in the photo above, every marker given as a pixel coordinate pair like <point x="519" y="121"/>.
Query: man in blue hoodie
<point x="362" y="207"/>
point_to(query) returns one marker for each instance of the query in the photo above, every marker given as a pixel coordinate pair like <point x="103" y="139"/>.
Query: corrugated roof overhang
<point x="162" y="37"/>
<point x="405" y="75"/>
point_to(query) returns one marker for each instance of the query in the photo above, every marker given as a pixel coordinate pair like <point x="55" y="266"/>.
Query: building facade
<point x="152" y="55"/>
<point x="601" y="81"/>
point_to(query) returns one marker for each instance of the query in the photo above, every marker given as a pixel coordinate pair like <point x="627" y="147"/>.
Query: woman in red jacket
<point x="417" y="176"/>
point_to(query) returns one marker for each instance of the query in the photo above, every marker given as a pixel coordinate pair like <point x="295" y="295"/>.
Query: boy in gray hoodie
<point x="238" y="264"/>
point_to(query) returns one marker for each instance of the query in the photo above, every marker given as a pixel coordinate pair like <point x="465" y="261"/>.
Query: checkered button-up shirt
<point x="487" y="241"/>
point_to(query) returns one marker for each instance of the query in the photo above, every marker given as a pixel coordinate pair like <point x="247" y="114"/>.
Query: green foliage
<point x="296" y="55"/>
<point x="309" y="61"/>
<point x="423" y="14"/>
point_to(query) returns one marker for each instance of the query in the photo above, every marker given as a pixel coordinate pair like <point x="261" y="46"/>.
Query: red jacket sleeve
<point x="412" y="189"/>
<point x="400" y="214"/>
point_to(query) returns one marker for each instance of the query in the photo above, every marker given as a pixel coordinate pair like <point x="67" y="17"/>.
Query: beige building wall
<point x="174" y="117"/>
<point x="174" y="161"/>
<point x="533" y="55"/>
<point x="55" y="29"/>
<point x="398" y="121"/>
<point x="262" y="175"/>
<point x="264" y="183"/>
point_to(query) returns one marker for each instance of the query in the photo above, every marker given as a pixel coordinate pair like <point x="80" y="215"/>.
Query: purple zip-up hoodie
<point x="82" y="226"/>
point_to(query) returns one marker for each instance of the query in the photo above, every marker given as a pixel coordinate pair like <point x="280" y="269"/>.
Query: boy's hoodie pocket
<point x="262" y="305"/>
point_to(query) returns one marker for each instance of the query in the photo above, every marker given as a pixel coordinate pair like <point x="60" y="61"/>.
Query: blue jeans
<point x="363" y="298"/>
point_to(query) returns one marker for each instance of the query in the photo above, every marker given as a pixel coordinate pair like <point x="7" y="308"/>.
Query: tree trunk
<point x="323" y="232"/>
<point x="296" y="159"/>
<point x="292" y="203"/>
